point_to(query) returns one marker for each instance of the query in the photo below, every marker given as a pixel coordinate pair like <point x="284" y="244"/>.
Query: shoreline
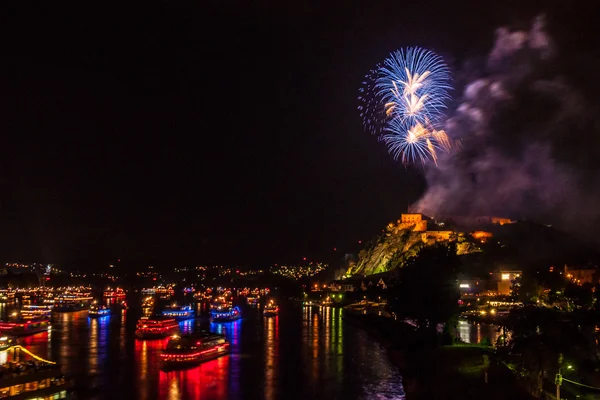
<point x="396" y="356"/>
<point x="438" y="372"/>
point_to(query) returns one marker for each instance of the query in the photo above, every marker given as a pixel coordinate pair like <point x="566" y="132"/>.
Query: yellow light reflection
<point x="93" y="343"/>
<point x="271" y="357"/>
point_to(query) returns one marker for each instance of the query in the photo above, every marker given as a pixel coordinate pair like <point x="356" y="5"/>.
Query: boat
<point x="7" y="296"/>
<point x="252" y="300"/>
<point x="180" y="313"/>
<point x="271" y="309"/>
<point x="32" y="311"/>
<point x="189" y="350"/>
<point x="148" y="302"/>
<point x="327" y="302"/>
<point x="20" y="326"/>
<point x="117" y="293"/>
<point x="225" y="313"/>
<point x="156" y="327"/>
<point x="203" y="296"/>
<point x="97" y="311"/>
<point x="165" y="292"/>
<point x="72" y="302"/>
<point x="6" y="342"/>
<point x="29" y="379"/>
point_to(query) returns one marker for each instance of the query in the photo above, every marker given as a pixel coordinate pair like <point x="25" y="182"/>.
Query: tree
<point x="427" y="290"/>
<point x="582" y="296"/>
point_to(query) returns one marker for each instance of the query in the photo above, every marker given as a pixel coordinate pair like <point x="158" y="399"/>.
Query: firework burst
<point x="416" y="142"/>
<point x="371" y="108"/>
<point x="404" y="100"/>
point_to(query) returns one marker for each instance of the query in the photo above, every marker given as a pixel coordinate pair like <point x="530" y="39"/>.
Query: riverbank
<point x="442" y="372"/>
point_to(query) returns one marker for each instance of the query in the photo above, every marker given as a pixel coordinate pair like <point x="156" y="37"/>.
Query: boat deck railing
<point x="24" y="350"/>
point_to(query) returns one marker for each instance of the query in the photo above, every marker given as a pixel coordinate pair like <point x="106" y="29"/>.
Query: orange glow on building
<point x="482" y="236"/>
<point x="431" y="237"/>
<point x="580" y="276"/>
<point x="411" y="218"/>
<point x="502" y="221"/>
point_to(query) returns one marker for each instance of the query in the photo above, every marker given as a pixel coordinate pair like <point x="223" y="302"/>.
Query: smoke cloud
<point x="527" y="139"/>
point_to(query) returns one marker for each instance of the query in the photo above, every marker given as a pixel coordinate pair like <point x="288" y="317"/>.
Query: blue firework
<point x="403" y="101"/>
<point x="413" y="84"/>
<point x="371" y="107"/>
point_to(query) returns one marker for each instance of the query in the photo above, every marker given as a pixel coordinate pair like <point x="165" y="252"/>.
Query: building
<point x="504" y="280"/>
<point x="501" y="221"/>
<point x="431" y="237"/>
<point x="582" y="275"/>
<point x="344" y="285"/>
<point x="482" y="236"/>
<point x="470" y="286"/>
<point x="412" y="218"/>
<point x="430" y="232"/>
<point x="418" y="220"/>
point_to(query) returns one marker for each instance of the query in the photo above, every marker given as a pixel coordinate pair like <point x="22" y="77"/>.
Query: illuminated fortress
<point x="432" y="232"/>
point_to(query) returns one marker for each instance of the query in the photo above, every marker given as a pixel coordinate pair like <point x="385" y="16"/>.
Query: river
<point x="304" y="353"/>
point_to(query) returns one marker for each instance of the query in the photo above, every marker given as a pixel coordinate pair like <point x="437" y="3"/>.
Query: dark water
<point x="304" y="353"/>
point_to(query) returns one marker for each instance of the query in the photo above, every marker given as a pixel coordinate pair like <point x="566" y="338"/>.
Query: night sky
<point x="178" y="133"/>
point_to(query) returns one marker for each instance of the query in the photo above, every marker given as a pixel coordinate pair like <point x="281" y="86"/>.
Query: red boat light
<point x="187" y="356"/>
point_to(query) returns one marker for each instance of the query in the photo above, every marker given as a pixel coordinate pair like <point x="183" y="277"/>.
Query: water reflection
<point x="146" y="356"/>
<point x="187" y="326"/>
<point x="98" y="347"/>
<point x="338" y="342"/>
<point x="206" y="381"/>
<point x="304" y="352"/>
<point x="271" y="356"/>
<point x="476" y="333"/>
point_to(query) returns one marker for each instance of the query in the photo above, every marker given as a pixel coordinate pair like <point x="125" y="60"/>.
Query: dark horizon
<point x="182" y="134"/>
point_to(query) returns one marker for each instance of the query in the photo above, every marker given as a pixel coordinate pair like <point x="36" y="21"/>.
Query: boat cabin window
<point x="174" y="345"/>
<point x="16" y="389"/>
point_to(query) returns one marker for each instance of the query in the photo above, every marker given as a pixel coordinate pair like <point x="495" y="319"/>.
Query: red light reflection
<point x="206" y="381"/>
<point x="147" y="359"/>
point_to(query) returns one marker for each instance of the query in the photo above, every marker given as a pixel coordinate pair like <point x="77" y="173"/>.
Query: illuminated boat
<point x="23" y="379"/>
<point x="271" y="309"/>
<point x="117" y="293"/>
<point x="180" y="313"/>
<point x="156" y="327"/>
<point x="327" y="302"/>
<point x="23" y="327"/>
<point x="149" y="291"/>
<point x="165" y="292"/>
<point x="148" y="302"/>
<point x="6" y="342"/>
<point x="189" y="350"/>
<point x="97" y="311"/>
<point x="225" y="313"/>
<point x="7" y="296"/>
<point x="252" y="300"/>
<point x="32" y="311"/>
<point x="203" y="296"/>
<point x="72" y="302"/>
